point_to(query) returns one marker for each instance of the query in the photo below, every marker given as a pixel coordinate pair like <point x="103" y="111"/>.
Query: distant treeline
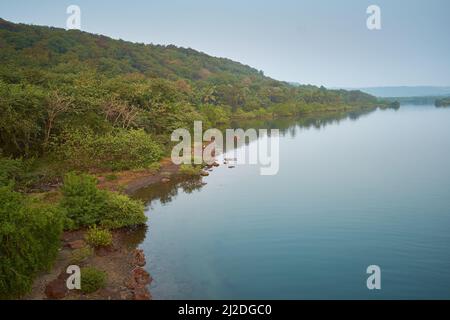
<point x="445" y="102"/>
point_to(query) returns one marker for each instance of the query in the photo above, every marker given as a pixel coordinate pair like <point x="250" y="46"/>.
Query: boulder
<point x="139" y="279"/>
<point x="57" y="289"/>
<point x="141" y="294"/>
<point x="165" y="180"/>
<point x="204" y="174"/>
<point x="139" y="258"/>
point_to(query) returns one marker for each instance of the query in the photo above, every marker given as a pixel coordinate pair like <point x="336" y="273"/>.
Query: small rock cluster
<point x="139" y="278"/>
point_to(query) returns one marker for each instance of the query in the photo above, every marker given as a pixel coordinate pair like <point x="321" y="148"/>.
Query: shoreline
<point x="123" y="262"/>
<point x="127" y="279"/>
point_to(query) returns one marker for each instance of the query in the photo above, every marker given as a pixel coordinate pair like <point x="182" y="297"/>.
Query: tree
<point x="57" y="104"/>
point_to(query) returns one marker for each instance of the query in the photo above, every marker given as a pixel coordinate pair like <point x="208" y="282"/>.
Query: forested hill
<point x="53" y="81"/>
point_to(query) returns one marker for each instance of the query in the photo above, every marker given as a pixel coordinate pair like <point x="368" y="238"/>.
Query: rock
<point x="77" y="244"/>
<point x="141" y="294"/>
<point x="141" y="276"/>
<point x="230" y="167"/>
<point x="139" y="279"/>
<point x="165" y="180"/>
<point x="139" y="258"/>
<point x="57" y="289"/>
<point x="216" y="164"/>
<point x="126" y="295"/>
<point x="204" y="174"/>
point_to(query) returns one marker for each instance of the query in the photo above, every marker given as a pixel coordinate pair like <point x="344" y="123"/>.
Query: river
<point x="352" y="191"/>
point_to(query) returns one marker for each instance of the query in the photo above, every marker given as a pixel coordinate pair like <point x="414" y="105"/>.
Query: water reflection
<point x="166" y="192"/>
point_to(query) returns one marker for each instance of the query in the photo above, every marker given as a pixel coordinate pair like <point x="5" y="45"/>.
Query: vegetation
<point x="116" y="150"/>
<point x="61" y="90"/>
<point x="70" y="100"/>
<point x="99" y="237"/>
<point x="29" y="240"/>
<point x="86" y="205"/>
<point x="190" y="170"/>
<point x="92" y="280"/>
<point x="122" y="212"/>
<point x="444" y="102"/>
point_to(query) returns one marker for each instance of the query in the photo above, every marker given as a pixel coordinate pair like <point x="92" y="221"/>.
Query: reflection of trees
<point x="166" y="192"/>
<point x="288" y="125"/>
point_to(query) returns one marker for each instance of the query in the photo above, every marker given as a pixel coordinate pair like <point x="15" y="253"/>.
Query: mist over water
<point x="364" y="190"/>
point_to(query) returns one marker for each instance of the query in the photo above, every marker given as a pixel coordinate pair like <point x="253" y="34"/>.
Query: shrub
<point x="80" y="255"/>
<point x="13" y="169"/>
<point x="123" y="211"/>
<point x="29" y="240"/>
<point x="87" y="205"/>
<point x="116" y="150"/>
<point x="99" y="237"/>
<point x="92" y="279"/>
<point x="84" y="202"/>
<point x="190" y="170"/>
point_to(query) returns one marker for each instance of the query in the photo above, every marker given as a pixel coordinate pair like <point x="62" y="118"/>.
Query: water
<point x="354" y="192"/>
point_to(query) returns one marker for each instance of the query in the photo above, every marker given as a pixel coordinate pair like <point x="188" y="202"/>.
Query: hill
<point x="54" y="82"/>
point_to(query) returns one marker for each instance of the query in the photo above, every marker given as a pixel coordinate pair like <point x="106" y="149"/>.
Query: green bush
<point x="99" y="237"/>
<point x="13" y="169"/>
<point x="116" y="150"/>
<point x="123" y="211"/>
<point x="87" y="205"/>
<point x="190" y="170"/>
<point x="92" y="279"/>
<point x="84" y="202"/>
<point x="29" y="240"/>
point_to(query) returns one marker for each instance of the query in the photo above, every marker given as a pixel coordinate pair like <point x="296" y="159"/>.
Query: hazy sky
<point x="318" y="42"/>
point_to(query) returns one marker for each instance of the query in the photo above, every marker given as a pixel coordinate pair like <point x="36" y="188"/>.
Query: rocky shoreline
<point x="123" y="262"/>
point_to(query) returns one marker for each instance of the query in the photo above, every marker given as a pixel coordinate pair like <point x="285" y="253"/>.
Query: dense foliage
<point x="29" y="240"/>
<point x="116" y="150"/>
<point x="86" y="205"/>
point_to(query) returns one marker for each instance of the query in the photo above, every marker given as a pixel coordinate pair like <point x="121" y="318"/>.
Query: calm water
<point x="365" y="190"/>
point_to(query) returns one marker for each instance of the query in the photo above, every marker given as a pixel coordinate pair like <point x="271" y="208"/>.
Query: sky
<point x="320" y="42"/>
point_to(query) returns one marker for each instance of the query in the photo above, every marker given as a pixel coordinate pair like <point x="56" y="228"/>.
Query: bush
<point x="92" y="279"/>
<point x="13" y="169"/>
<point x="123" y="211"/>
<point x="29" y="240"/>
<point x="84" y="202"/>
<point x="190" y="170"/>
<point x="87" y="205"/>
<point x="99" y="237"/>
<point x="116" y="150"/>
